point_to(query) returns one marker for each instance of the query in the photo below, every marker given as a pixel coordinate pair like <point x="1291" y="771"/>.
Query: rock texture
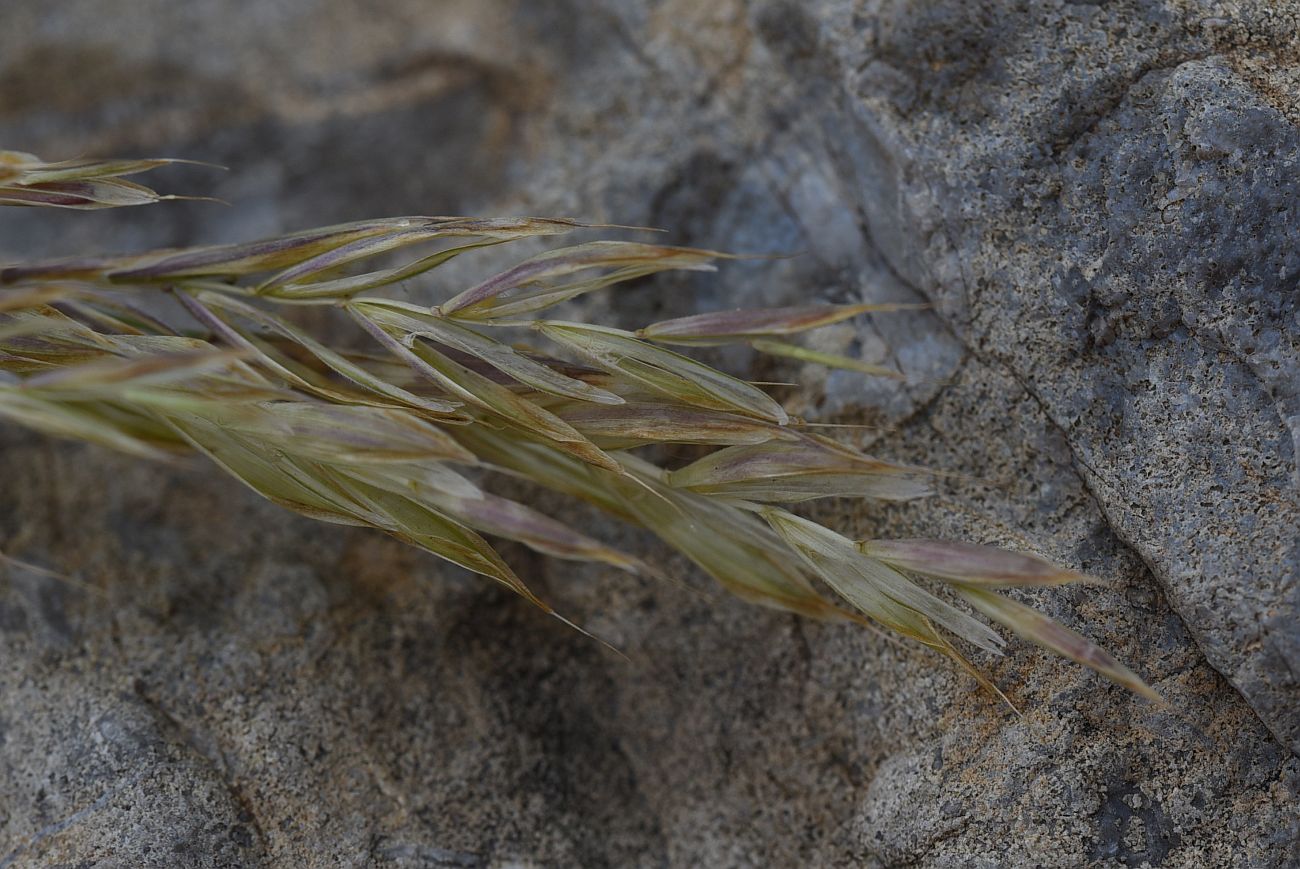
<point x="1099" y="199"/>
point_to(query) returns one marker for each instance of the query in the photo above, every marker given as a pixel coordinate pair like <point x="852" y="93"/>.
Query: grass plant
<point x="406" y="435"/>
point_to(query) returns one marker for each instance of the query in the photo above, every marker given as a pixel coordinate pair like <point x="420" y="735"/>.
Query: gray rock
<point x="1119" y="232"/>
<point x="1097" y="198"/>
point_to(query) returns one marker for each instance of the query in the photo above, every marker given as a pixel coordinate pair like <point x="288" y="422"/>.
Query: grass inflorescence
<point x="401" y="436"/>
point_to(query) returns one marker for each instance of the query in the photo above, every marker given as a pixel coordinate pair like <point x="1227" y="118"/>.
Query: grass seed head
<point x="393" y="439"/>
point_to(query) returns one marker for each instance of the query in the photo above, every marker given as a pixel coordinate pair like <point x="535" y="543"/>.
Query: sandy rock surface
<point x="1098" y="199"/>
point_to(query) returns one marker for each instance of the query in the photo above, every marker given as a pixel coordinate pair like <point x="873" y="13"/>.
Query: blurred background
<point x="1096" y="199"/>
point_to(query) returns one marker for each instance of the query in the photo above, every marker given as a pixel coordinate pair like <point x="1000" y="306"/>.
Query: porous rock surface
<point x="1099" y="200"/>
